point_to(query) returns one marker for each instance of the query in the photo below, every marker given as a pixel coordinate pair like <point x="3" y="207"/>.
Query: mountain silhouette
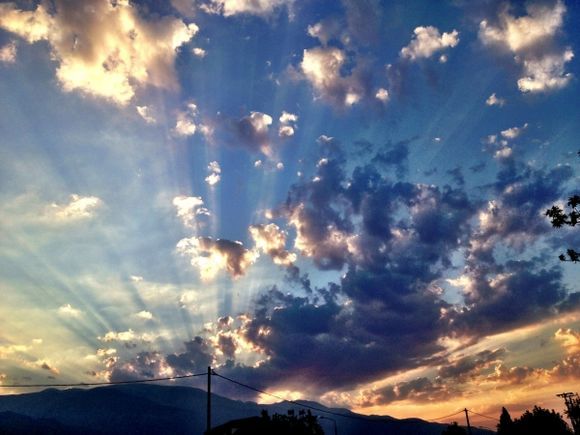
<point x="156" y="409"/>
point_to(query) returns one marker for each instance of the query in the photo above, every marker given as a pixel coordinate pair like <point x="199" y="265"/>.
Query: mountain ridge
<point x="161" y="409"/>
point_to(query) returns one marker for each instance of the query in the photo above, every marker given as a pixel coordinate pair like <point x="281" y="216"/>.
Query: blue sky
<point x="340" y="201"/>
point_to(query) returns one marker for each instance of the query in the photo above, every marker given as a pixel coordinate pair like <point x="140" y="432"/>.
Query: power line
<point x="92" y="384"/>
<point x="447" y="416"/>
<point x="314" y="408"/>
<point x="482" y="415"/>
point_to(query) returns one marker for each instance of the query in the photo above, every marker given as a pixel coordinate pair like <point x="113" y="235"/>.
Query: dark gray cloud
<point x="195" y="359"/>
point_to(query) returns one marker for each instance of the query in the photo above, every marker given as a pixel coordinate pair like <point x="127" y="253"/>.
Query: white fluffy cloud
<point x="546" y="73"/>
<point x="514" y="132"/>
<point x="382" y="95"/>
<point x="427" y="41"/>
<point x="186" y="123"/>
<point x="8" y="52"/>
<point x="146" y="113"/>
<point x="199" y="52"/>
<point x="494" y="100"/>
<point x="530" y="38"/>
<point x="103" y="48"/>
<point x="215" y="171"/>
<point x="67" y="310"/>
<point x="190" y="209"/>
<point x="262" y="8"/>
<point x="78" y="208"/>
<point x="287" y="124"/>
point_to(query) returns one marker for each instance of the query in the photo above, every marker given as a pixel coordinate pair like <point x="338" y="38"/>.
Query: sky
<point x="340" y="201"/>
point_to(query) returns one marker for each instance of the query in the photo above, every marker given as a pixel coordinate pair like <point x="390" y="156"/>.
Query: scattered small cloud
<point x="8" y="52"/>
<point x="146" y="113"/>
<point x="427" y="41"/>
<point x="67" y="310"/>
<point x="494" y="100"/>
<point x="144" y="315"/>
<point x="382" y="95"/>
<point x="190" y="210"/>
<point x="199" y="52"/>
<point x="214" y="173"/>
<point x="78" y="208"/>
<point x="186" y="123"/>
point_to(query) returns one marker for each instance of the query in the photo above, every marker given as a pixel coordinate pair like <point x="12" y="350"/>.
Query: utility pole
<point x="208" y="400"/>
<point x="467" y="419"/>
<point x="572" y="401"/>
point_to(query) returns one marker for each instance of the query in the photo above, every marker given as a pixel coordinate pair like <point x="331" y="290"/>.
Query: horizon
<point x="341" y="202"/>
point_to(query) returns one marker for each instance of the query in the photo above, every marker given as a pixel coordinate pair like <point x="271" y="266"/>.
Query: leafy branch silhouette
<point x="560" y="218"/>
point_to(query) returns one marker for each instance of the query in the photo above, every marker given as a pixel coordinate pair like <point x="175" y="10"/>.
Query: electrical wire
<point x="485" y="416"/>
<point x="447" y="416"/>
<point x="92" y="384"/>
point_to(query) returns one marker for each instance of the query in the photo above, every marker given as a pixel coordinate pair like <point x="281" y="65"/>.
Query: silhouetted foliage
<point x="573" y="412"/>
<point x="559" y="218"/>
<point x="506" y="425"/>
<point x="454" y="429"/>
<point x="538" y="422"/>
<point x="303" y="424"/>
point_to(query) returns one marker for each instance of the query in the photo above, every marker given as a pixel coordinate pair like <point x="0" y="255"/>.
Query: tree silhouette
<point x="538" y="422"/>
<point x="560" y="218"/>
<point x="506" y="425"/>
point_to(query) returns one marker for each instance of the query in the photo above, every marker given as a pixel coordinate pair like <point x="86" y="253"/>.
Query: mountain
<point x="155" y="409"/>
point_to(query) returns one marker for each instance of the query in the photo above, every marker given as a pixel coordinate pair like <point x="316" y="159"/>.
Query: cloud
<point x="129" y="337"/>
<point x="199" y="52"/>
<point x="262" y="8"/>
<point x="427" y="41"/>
<point x="252" y="132"/>
<point x="494" y="100"/>
<point x="546" y="73"/>
<point x="146" y="113"/>
<point x="287" y="124"/>
<point x="322" y="68"/>
<point x="524" y="32"/>
<point x="382" y="95"/>
<point x="570" y="340"/>
<point x="196" y="358"/>
<point x="144" y="315"/>
<point x="531" y="39"/>
<point x="271" y="240"/>
<point x="8" y="52"/>
<point x="145" y="365"/>
<point x="104" y="49"/>
<point x="186" y="123"/>
<point x="471" y="364"/>
<point x="190" y="210"/>
<point x="288" y="118"/>
<point x="326" y="30"/>
<point x="420" y="390"/>
<point x="210" y="256"/>
<point x="79" y="208"/>
<point x="214" y="173"/>
<point x="68" y="311"/>
<point x="514" y="132"/>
